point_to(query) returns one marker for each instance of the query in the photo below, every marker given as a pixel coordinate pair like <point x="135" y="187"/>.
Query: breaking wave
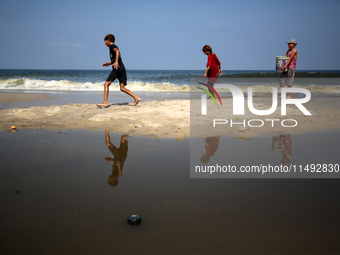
<point x="66" y="85"/>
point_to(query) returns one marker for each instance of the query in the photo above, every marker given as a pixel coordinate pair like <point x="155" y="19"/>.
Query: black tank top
<point x="113" y="57"/>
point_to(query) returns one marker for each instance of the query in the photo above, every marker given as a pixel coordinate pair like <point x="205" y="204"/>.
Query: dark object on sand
<point x="134" y="219"/>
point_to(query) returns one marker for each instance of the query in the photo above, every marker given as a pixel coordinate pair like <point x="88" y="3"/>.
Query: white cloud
<point x="78" y="45"/>
<point x="65" y="44"/>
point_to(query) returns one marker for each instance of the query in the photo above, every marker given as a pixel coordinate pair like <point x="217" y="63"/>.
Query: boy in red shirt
<point x="213" y="67"/>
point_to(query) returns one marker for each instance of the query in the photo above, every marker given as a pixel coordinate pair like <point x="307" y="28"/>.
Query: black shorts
<point x="120" y="74"/>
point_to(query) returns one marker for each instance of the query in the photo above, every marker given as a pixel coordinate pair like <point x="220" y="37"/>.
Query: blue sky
<point x="245" y="35"/>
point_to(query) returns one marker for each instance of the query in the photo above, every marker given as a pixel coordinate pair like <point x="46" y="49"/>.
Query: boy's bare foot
<point x="108" y="159"/>
<point x="102" y="105"/>
<point x="137" y="101"/>
<point x="126" y="136"/>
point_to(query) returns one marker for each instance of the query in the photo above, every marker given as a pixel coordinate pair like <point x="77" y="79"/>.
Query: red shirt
<point x="212" y="145"/>
<point x="214" y="64"/>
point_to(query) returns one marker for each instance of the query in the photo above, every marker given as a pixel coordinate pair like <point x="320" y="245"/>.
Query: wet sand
<point x="19" y="97"/>
<point x="57" y="198"/>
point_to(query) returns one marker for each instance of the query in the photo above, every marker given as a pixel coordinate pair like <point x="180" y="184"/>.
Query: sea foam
<point x="66" y="85"/>
<point x="135" y="86"/>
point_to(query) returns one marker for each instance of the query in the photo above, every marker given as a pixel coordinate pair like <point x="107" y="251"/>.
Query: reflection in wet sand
<point x="283" y="143"/>
<point x="65" y="207"/>
<point x="119" y="157"/>
<point x="211" y="146"/>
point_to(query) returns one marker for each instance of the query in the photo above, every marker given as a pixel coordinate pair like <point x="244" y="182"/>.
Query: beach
<point x="195" y="168"/>
<point x="165" y="118"/>
<point x="72" y="173"/>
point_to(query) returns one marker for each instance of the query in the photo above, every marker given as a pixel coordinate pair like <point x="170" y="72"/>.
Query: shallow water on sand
<point x="60" y="195"/>
<point x="93" y="97"/>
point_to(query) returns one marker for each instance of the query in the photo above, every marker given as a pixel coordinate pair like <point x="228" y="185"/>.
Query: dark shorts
<point x="120" y="74"/>
<point x="119" y="154"/>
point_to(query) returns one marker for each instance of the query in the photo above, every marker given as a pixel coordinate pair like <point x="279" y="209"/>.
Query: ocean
<point x="321" y="83"/>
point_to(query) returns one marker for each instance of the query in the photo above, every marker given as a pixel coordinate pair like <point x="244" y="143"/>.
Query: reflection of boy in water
<point x="119" y="154"/>
<point x="211" y="146"/>
<point x="286" y="142"/>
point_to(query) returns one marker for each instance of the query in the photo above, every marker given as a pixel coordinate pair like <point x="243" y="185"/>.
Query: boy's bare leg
<point x="106" y="94"/>
<point x="109" y="144"/>
<point x="289" y="95"/>
<point x="107" y="138"/>
<point x="129" y="92"/>
<point x="282" y="86"/>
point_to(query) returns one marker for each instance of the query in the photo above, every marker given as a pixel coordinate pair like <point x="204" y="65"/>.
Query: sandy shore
<point x="165" y="118"/>
<point x="325" y="116"/>
<point x="152" y="118"/>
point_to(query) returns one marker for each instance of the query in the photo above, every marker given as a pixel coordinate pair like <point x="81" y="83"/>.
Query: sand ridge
<point x="151" y="118"/>
<point x="325" y="116"/>
<point x="166" y="118"/>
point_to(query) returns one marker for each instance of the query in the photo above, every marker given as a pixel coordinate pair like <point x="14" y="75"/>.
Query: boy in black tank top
<point x="118" y="71"/>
